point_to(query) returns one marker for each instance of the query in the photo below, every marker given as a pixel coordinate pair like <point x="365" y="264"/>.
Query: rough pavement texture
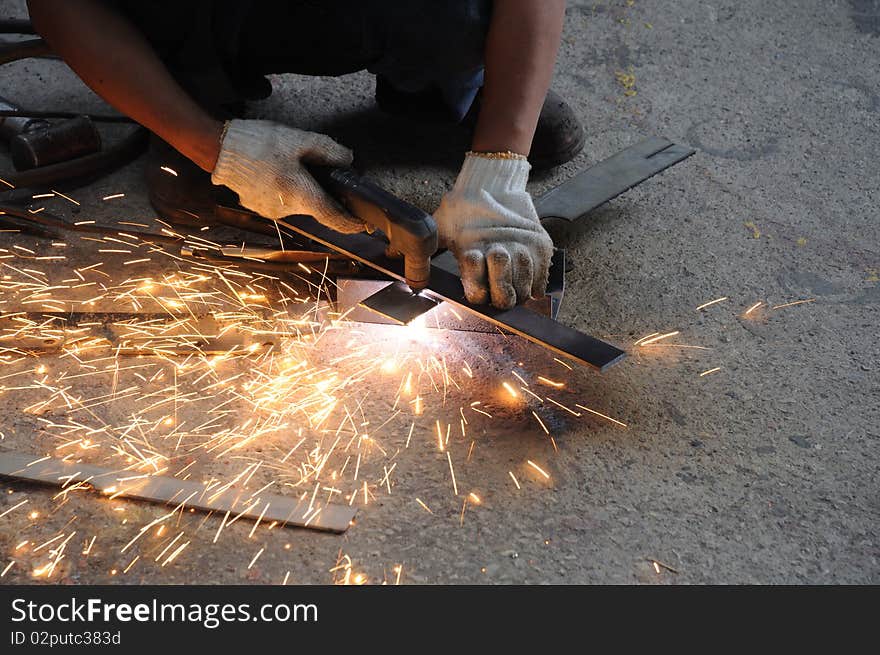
<point x="765" y="471"/>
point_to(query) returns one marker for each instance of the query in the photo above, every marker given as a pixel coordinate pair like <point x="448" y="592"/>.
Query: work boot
<point x="559" y="136"/>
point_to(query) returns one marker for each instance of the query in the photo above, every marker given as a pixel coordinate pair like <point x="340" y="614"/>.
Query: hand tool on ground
<point x="35" y="142"/>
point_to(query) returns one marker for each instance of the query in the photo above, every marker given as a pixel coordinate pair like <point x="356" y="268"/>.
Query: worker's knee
<point x="459" y="33"/>
<point x="429" y="42"/>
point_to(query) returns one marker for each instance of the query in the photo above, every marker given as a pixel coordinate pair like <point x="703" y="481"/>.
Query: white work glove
<point x="262" y="162"/>
<point x="489" y="222"/>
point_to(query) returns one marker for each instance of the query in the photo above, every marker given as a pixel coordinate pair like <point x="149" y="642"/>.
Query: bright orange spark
<point x="712" y="302"/>
<point x="538" y="468"/>
<point x="792" y="304"/>
<point x="647" y="342"/>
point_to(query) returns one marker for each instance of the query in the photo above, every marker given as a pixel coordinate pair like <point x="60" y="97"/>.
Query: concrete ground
<point x="764" y="471"/>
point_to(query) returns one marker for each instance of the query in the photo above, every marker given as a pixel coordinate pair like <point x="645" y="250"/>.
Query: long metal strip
<point x="609" y="178"/>
<point x="445" y="286"/>
<point x="329" y="517"/>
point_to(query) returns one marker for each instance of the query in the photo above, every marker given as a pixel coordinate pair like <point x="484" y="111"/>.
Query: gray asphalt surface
<point x="765" y="471"/>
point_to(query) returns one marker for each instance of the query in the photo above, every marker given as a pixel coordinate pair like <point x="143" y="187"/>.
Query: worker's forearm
<point x="520" y="54"/>
<point x="117" y="63"/>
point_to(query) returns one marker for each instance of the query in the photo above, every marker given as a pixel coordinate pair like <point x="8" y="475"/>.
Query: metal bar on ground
<point x="609" y="178"/>
<point x="292" y="512"/>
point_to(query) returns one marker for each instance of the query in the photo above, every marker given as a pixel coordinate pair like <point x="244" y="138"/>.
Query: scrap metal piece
<point x="609" y="178"/>
<point x="538" y="329"/>
<point x="398" y="303"/>
<point x="287" y="511"/>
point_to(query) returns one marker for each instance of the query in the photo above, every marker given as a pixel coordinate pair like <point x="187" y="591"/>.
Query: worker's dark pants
<point x="414" y="45"/>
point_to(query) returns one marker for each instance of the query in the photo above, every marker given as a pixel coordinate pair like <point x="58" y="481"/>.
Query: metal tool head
<point x="409" y="230"/>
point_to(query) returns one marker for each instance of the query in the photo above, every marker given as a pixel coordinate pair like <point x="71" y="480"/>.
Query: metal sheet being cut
<point x="292" y="512"/>
<point x="444" y="285"/>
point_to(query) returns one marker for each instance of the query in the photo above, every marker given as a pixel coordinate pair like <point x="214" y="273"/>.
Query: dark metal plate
<point x="610" y="177"/>
<point x="398" y="303"/>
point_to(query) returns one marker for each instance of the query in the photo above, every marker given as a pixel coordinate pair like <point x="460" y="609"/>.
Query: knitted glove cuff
<point x="241" y="151"/>
<point x="495" y="176"/>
